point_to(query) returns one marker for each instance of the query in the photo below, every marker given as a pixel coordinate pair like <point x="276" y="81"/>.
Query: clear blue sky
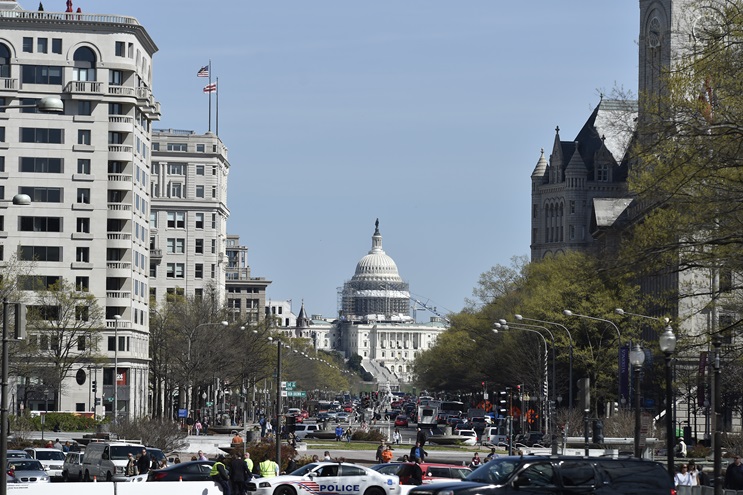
<point x="428" y="115"/>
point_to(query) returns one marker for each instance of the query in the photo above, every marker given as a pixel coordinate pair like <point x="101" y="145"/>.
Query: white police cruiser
<point x="328" y="478"/>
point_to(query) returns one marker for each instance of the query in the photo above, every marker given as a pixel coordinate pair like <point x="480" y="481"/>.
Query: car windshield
<point x="122" y="452"/>
<point x="304" y="469"/>
<point x="496" y="472"/>
<point x="50" y="455"/>
<point x="27" y="465"/>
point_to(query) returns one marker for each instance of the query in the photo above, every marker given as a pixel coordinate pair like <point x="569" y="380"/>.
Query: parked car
<point x="51" y="459"/>
<point x="469" y="437"/>
<point x="343" y="417"/>
<point x="540" y="475"/>
<point x="302" y="430"/>
<point x="432" y="472"/>
<point x="18" y="454"/>
<point x="72" y="468"/>
<point x="185" y="471"/>
<point x="21" y="470"/>
<point x="401" y="420"/>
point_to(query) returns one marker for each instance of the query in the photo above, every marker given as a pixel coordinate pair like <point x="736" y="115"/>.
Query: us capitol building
<point x="374" y="321"/>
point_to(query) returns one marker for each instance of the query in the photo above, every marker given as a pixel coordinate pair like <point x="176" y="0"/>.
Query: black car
<point x="559" y="475"/>
<point x="185" y="471"/>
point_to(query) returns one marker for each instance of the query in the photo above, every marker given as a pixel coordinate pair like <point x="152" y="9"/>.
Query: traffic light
<point x="598" y="431"/>
<point x="291" y="423"/>
<point x="20" y="321"/>
<point x="97" y="401"/>
<point x="584" y="394"/>
<point x="95" y="386"/>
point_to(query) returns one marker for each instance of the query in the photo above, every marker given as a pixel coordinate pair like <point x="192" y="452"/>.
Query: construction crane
<point x="428" y="308"/>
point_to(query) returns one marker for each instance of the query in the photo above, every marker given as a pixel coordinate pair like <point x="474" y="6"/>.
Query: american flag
<point x="210" y="88"/>
<point x="203" y="72"/>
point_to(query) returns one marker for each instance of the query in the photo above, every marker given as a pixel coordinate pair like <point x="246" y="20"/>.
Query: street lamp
<point x="667" y="343"/>
<point x="567" y="312"/>
<point x="570" y="370"/>
<point x="636" y="359"/>
<point x="116" y="365"/>
<point x="277" y="428"/>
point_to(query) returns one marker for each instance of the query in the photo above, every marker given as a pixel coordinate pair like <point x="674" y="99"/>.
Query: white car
<point x="51" y="459"/>
<point x="328" y="478"/>
<point x="469" y="436"/>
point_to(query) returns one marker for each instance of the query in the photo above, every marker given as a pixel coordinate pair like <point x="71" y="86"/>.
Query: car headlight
<point x="264" y="484"/>
<point x="446" y="492"/>
<point x="119" y="470"/>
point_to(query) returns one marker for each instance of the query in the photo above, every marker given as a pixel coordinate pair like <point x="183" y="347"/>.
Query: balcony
<point x="121" y="91"/>
<point x="119" y="211"/>
<point x="84" y="88"/>
<point x="8" y="83"/>
<point x="120" y="181"/>
<point x="120" y="123"/>
<point x="118" y="265"/>
<point x="118" y="294"/>
<point x="119" y="236"/>
<point x="120" y="152"/>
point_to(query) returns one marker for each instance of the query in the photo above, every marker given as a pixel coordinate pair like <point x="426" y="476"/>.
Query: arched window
<point x="85" y="61"/>
<point x="4" y="61"/>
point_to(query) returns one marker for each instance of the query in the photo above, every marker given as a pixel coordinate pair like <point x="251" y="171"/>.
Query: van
<point x="490" y="435"/>
<point x="541" y="475"/>
<point x="51" y="459"/>
<point x="107" y="460"/>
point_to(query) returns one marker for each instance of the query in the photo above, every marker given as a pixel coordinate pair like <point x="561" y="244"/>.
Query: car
<point x="21" y="470"/>
<point x="432" y="472"/>
<point x="185" y="471"/>
<point x="72" y="468"/>
<point x="478" y="424"/>
<point x="301" y="431"/>
<point x="159" y="455"/>
<point x="401" y="420"/>
<point x="343" y="417"/>
<point x="323" y="416"/>
<point x="348" y="408"/>
<point x="18" y="454"/>
<point x="305" y="414"/>
<point x="329" y="478"/>
<point x="469" y="437"/>
<point x="462" y="425"/>
<point x="51" y="459"/>
<point x="453" y="419"/>
<point x="532" y="475"/>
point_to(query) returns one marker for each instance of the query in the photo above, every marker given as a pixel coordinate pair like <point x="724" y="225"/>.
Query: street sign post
<point x="296" y="393"/>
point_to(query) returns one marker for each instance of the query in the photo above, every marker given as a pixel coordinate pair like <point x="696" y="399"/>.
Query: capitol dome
<point x="376" y="287"/>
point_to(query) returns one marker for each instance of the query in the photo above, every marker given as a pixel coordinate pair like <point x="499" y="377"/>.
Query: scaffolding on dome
<point x="361" y="298"/>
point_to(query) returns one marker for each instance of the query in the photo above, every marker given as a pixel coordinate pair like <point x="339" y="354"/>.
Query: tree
<point x="65" y="328"/>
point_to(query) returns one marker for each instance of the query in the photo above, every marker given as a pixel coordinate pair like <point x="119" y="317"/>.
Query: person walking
<point x="219" y="475"/>
<point x="197" y="426"/>
<point x="417" y="452"/>
<point x="380" y="449"/>
<point x="249" y="463"/>
<point x="338" y="433"/>
<point x="143" y="462"/>
<point x="682" y="478"/>
<point x="239" y="474"/>
<point x="268" y="468"/>
<point x="131" y="466"/>
<point x="734" y="475"/>
<point x="397" y="436"/>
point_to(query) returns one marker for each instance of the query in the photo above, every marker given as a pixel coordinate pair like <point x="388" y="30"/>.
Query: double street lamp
<point x="667" y="343"/>
<point x="636" y="359"/>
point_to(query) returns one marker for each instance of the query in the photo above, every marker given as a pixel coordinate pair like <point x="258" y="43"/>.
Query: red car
<point x="348" y="408"/>
<point x="401" y="420"/>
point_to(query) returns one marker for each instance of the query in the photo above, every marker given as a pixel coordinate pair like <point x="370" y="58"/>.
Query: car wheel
<point x="375" y="490"/>
<point x="284" y="490"/>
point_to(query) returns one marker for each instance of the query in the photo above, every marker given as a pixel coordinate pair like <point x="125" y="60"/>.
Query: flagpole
<point x="210" y="95"/>
<point x="217" y="97"/>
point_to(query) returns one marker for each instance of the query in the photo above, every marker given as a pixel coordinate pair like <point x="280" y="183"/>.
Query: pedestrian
<point x="405" y="458"/>
<point x="143" y="462"/>
<point x="237" y="439"/>
<point x="348" y="434"/>
<point x="291" y="466"/>
<point x="380" y="449"/>
<point x="315" y="458"/>
<point x="58" y="445"/>
<point x="492" y="455"/>
<point x="387" y="454"/>
<point x="249" y="463"/>
<point x="475" y="462"/>
<point x="397" y="437"/>
<point x="239" y="474"/>
<point x="682" y="478"/>
<point x="202" y="456"/>
<point x="681" y="448"/>
<point x="734" y="475"/>
<point x="703" y="477"/>
<point x="338" y="433"/>
<point x="421" y="437"/>
<point x="327" y="457"/>
<point x="219" y="475"/>
<point x="268" y="468"/>
<point x="694" y="472"/>
<point x="417" y="452"/>
<point x="197" y="426"/>
<point x="131" y="466"/>
<point x="416" y="475"/>
<point x="189" y="425"/>
<point x="66" y="446"/>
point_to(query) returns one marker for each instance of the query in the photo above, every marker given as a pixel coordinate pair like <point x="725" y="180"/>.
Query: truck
<point x="428" y="413"/>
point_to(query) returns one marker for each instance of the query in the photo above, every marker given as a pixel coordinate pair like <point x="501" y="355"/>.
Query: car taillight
<point x="159" y="476"/>
<point x="673" y="491"/>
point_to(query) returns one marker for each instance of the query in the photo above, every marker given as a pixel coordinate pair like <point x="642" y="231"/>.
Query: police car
<point x="328" y="478"/>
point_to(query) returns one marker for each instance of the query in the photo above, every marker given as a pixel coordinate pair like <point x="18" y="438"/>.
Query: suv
<point x="542" y="475"/>
<point x="51" y="459"/>
<point x="302" y="430"/>
<point x="72" y="469"/>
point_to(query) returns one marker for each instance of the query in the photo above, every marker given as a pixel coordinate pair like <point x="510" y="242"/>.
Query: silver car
<point x="26" y="471"/>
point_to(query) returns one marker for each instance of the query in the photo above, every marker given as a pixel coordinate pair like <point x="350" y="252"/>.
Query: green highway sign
<point x="289" y="385"/>
<point x="296" y="393"/>
<point x="209" y="404"/>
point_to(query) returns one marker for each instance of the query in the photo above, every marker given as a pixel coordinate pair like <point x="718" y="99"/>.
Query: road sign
<point x="296" y="393"/>
<point x="209" y="403"/>
<point x="283" y="393"/>
<point x="289" y="385"/>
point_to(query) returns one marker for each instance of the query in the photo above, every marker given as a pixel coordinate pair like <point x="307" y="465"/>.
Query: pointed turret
<point x="541" y="169"/>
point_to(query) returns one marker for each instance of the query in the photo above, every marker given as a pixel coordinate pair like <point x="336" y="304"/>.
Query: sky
<point x="426" y="114"/>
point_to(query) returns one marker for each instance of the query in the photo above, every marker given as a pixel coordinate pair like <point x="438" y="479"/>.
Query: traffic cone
<point x="180" y="478"/>
<point x="95" y="479"/>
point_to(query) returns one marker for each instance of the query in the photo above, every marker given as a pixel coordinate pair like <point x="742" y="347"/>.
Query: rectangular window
<point x="177" y="147"/>
<point x="120" y="49"/>
<point x="84" y="107"/>
<point x="155" y="147"/>
<point x="153" y="219"/>
<point x="41" y="165"/>
<point x="214" y="192"/>
<point x="82" y="313"/>
<point x="37" y="282"/>
<point x="214" y="246"/>
<point x="572" y="206"/>
<point x="199" y="220"/>
<point x="83" y="225"/>
<point x="175" y="270"/>
<point x="176" y="220"/>
<point x="176" y="190"/>
<point x="83" y="136"/>
<point x="42" y="45"/>
<point x="41" y="74"/>
<point x="40" y="253"/>
<point x="41" y="224"/>
<point x="214" y="220"/>
<point x="199" y="170"/>
<point x="199" y="191"/>
<point x="198" y="246"/>
<point x="200" y="148"/>
<point x="43" y="194"/>
<point x="83" y="196"/>
<point x="2" y="164"/>
<point x="115" y="109"/>
<point x="176" y="169"/>
<point x="82" y="284"/>
<point x="57" y="45"/>
<point x="82" y="254"/>
<point x="115" y="77"/>
<point x="30" y="101"/>
<point x="83" y="166"/>
<point x="199" y="270"/>
<point x="28" y="45"/>
<point x="116" y="138"/>
<point x="34" y="135"/>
